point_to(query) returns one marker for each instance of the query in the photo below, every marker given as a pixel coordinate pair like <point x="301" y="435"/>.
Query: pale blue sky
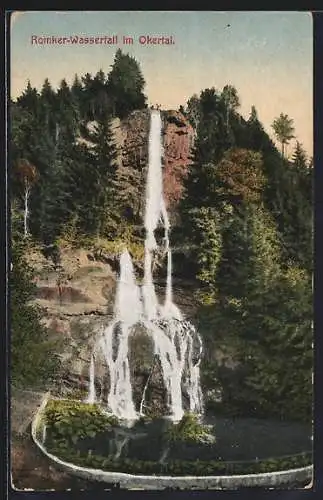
<point x="266" y="55"/>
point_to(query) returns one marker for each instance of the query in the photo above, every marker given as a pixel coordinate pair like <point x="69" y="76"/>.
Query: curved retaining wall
<point x="265" y="480"/>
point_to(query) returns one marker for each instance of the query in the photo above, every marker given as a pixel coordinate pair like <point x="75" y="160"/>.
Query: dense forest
<point x="245" y="217"/>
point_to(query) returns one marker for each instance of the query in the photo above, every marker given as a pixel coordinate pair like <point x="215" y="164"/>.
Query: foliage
<point x="189" y="429"/>
<point x="250" y="253"/>
<point x="267" y="332"/>
<point x="206" y="223"/>
<point x="299" y="158"/>
<point x="126" y="84"/>
<point x="246" y="216"/>
<point x="193" y="111"/>
<point x="33" y="361"/>
<point x="214" y="467"/>
<point x="283" y="315"/>
<point x="240" y="176"/>
<point x="284" y="130"/>
<point x="69" y="421"/>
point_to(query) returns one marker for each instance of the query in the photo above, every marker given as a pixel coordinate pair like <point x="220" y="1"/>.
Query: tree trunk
<point x="26" y="210"/>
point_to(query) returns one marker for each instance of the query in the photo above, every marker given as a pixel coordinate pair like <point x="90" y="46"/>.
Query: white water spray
<point x="173" y="337"/>
<point x="91" y="396"/>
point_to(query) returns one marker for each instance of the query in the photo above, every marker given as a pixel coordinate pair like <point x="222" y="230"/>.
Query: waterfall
<point x="154" y="181"/>
<point x="151" y="306"/>
<point x="91" y="396"/>
<point x="172" y="336"/>
<point x="128" y="307"/>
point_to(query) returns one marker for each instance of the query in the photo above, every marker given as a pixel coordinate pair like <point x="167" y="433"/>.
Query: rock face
<point x="178" y="142"/>
<point x="131" y="136"/>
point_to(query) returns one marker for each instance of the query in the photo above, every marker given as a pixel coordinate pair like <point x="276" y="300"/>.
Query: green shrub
<point x="69" y="421"/>
<point x="189" y="429"/>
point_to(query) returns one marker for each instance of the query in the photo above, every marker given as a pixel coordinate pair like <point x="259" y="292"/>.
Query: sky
<point x="267" y="56"/>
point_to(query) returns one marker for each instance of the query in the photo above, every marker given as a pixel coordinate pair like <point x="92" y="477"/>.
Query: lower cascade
<point x="176" y="342"/>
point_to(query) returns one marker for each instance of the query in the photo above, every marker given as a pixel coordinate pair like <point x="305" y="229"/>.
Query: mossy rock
<point x="190" y="430"/>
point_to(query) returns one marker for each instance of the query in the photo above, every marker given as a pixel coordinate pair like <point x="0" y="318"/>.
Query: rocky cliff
<point x="131" y="137"/>
<point x="178" y="142"/>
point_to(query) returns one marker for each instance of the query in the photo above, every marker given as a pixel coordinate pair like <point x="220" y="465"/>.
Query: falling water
<point x="128" y="307"/>
<point x="154" y="181"/>
<point x="128" y="312"/>
<point x="91" y="395"/>
<point x="173" y="337"/>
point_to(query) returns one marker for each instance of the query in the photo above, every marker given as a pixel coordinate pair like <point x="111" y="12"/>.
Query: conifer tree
<point x="299" y="157"/>
<point x="126" y="84"/>
<point x="33" y="362"/>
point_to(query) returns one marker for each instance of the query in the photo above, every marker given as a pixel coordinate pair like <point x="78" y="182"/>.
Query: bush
<point x="70" y="421"/>
<point x="189" y="429"/>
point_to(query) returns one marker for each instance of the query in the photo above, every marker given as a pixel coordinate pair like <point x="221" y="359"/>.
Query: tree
<point x="299" y="157"/>
<point x="48" y="105"/>
<point x="250" y="253"/>
<point x="103" y="103"/>
<point x="77" y="89"/>
<point x="29" y="99"/>
<point x="126" y="84"/>
<point x="284" y="130"/>
<point x="193" y="110"/>
<point x="240" y="177"/>
<point x="208" y="251"/>
<point x="33" y="362"/>
<point x="68" y="115"/>
<point x="279" y="360"/>
<point x="231" y="100"/>
<point x="256" y="138"/>
<point x="27" y="174"/>
<point x="94" y="167"/>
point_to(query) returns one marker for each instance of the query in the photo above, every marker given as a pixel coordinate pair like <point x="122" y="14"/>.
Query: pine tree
<point x="126" y="84"/>
<point x="68" y="115"/>
<point x="48" y="104"/>
<point x="299" y="157"/>
<point x="94" y="167"/>
<point x="193" y="111"/>
<point x="77" y="90"/>
<point x="33" y="362"/>
<point x="29" y="99"/>
<point x="250" y="253"/>
<point x="279" y="359"/>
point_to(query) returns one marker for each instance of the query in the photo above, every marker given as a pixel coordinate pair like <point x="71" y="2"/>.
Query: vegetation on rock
<point x="189" y="429"/>
<point x="69" y="421"/>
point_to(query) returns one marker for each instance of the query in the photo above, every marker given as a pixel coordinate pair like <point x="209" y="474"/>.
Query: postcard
<point x="161" y="178"/>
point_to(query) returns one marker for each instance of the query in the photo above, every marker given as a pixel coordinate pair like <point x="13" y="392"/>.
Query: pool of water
<point x="237" y="439"/>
